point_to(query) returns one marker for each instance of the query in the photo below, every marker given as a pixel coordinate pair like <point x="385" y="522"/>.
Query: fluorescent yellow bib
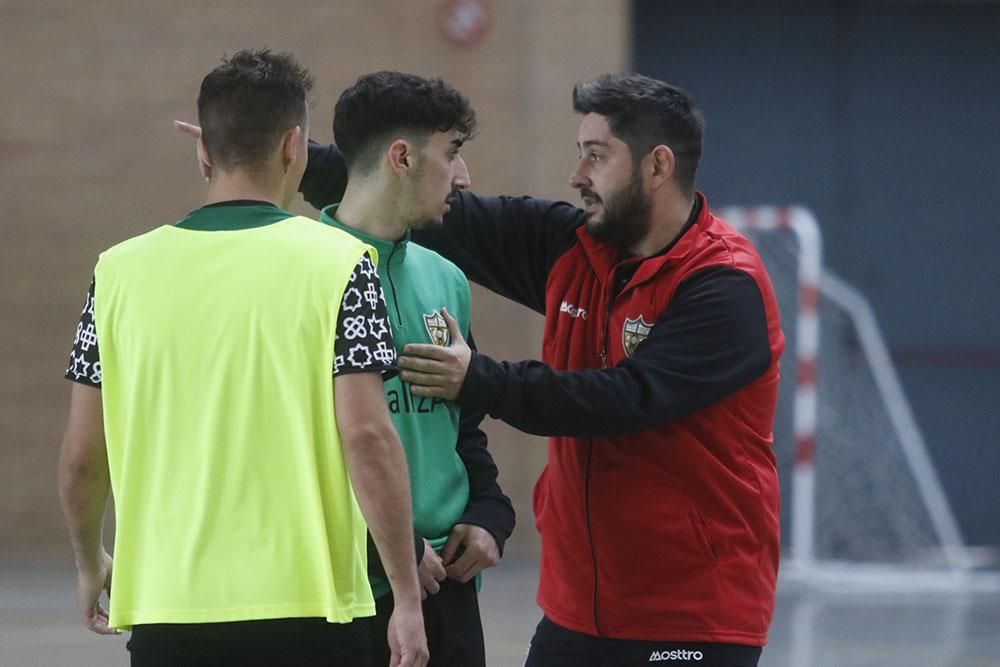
<point x="232" y="497"/>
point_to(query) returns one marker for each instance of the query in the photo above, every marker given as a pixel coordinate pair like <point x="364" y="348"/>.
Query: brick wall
<point x="89" y="157"/>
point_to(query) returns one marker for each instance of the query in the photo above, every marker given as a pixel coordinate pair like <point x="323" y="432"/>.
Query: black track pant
<point x="555" y="646"/>
<point x="309" y="642"/>
<point x="451" y="621"/>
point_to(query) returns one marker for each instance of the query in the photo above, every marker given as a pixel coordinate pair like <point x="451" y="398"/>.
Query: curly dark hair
<point x="384" y="105"/>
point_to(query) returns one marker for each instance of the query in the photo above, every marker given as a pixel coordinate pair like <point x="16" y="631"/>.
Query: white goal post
<point x="862" y="502"/>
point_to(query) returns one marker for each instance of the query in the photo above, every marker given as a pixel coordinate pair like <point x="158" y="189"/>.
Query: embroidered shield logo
<point x="437" y="329"/>
<point x="634" y="332"/>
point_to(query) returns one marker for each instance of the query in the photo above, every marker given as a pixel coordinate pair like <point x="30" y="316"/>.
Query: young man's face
<point x="439" y="175"/>
<point x="614" y="196"/>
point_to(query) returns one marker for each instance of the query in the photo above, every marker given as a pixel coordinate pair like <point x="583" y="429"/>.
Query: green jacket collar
<point x="390" y="253"/>
<point x="233" y="215"/>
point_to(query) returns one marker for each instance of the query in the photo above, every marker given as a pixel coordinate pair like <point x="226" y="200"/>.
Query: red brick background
<point x="88" y="93"/>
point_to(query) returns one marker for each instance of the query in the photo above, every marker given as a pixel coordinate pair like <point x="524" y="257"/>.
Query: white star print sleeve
<point x="364" y="339"/>
<point x="85" y="358"/>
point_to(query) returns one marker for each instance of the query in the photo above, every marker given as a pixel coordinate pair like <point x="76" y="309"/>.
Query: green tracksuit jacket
<point x="444" y="451"/>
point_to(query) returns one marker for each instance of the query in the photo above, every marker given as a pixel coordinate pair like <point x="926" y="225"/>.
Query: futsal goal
<point x="862" y="504"/>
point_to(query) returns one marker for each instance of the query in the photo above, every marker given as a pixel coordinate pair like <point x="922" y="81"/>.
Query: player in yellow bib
<point x="223" y="396"/>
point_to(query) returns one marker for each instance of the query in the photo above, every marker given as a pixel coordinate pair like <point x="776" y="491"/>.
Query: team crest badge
<point x="437" y="329"/>
<point x="634" y="332"/>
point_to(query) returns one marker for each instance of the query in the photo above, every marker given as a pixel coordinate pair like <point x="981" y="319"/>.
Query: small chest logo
<point x="634" y="332"/>
<point x="437" y="329"/>
<point x="572" y="311"/>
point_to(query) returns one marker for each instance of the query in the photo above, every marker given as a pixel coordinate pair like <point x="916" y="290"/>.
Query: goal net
<point x="861" y="500"/>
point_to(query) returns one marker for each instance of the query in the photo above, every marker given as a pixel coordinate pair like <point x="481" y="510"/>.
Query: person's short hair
<point x="247" y="103"/>
<point x="383" y="106"/>
<point x="644" y="113"/>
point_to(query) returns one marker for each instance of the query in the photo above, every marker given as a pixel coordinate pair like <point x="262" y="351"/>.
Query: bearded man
<point x="658" y="507"/>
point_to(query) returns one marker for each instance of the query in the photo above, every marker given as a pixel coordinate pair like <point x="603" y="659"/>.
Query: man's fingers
<point x="463" y="570"/>
<point x="480" y="553"/>
<point x="416" y="377"/>
<point x="430" y="572"/>
<point x="428" y="584"/>
<point x="456" y="332"/>
<point x="101" y="628"/>
<point x="433" y="371"/>
<point x="406" y="661"/>
<point x="427" y="383"/>
<point x="435" y="566"/>
<point x="97" y="621"/>
<point x="425" y="351"/>
<point x="429" y="391"/>
<point x="422" y="365"/>
<point x="465" y="567"/>
<point x="187" y="128"/>
<point x="451" y="546"/>
<point x="194" y="131"/>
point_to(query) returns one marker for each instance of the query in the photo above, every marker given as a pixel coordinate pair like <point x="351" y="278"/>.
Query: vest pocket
<point x="702" y="532"/>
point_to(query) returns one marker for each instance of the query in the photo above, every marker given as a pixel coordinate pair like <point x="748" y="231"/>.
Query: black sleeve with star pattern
<point x="364" y="339"/>
<point x="363" y="344"/>
<point x="85" y="358"/>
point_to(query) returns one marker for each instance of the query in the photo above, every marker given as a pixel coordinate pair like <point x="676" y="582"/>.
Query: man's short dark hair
<point x="382" y="106"/>
<point x="645" y="113"/>
<point x="247" y="103"/>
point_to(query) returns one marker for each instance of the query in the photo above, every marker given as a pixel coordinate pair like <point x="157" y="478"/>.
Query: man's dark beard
<point x="626" y="217"/>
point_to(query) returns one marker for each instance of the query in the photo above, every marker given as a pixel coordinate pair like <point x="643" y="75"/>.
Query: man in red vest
<point x="658" y="507"/>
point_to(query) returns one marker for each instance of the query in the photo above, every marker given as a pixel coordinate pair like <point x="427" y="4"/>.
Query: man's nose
<point x="578" y="179"/>
<point x="461" y="180"/>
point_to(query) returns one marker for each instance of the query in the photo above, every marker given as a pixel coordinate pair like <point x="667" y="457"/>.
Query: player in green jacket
<point x="401" y="137"/>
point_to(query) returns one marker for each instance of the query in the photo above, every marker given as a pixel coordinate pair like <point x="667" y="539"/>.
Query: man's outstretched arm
<point x="711" y="341"/>
<point x="506" y="244"/>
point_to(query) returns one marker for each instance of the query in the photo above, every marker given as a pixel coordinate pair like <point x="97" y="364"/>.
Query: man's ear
<point x="401" y="156"/>
<point x="291" y="144"/>
<point x="662" y="164"/>
<point x="204" y="163"/>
